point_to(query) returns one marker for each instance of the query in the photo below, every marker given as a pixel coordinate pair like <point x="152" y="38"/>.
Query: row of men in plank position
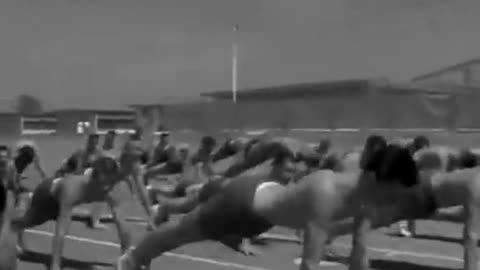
<point x="264" y="186"/>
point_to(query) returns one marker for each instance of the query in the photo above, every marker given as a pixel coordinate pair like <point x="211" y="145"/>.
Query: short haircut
<point x="282" y="155"/>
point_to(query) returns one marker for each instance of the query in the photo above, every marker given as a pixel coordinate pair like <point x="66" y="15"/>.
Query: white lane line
<point x="389" y="252"/>
<point x="298" y="261"/>
<point x="169" y="254"/>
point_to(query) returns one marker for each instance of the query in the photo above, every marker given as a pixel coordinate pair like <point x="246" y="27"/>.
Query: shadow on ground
<point x="440" y="238"/>
<point x="391" y="265"/>
<point x="43" y="258"/>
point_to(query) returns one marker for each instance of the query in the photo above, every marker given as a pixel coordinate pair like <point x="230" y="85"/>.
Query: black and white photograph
<point x="239" y="134"/>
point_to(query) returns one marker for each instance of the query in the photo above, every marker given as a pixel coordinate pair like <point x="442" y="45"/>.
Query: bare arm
<point x="137" y="179"/>
<point x="79" y="163"/>
<point x="314" y="240"/>
<point x="39" y="166"/>
<point x="61" y="229"/>
<point x="119" y="218"/>
<point x="239" y="244"/>
<point x="361" y="228"/>
<point x="470" y="235"/>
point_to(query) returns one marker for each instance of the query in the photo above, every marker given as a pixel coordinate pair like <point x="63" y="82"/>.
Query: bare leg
<point x="96" y="211"/>
<point x="359" y="256"/>
<point x="61" y="229"/>
<point x="470" y="236"/>
<point x="174" y="206"/>
<point x="168" y="236"/>
<point x="34" y="216"/>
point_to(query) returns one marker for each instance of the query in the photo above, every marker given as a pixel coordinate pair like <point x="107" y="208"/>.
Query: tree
<point x="28" y="105"/>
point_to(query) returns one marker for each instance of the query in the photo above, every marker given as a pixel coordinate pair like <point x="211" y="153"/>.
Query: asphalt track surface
<point x="436" y="247"/>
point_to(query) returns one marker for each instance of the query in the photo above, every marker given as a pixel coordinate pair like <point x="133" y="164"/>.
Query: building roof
<point x="429" y="88"/>
<point x="458" y="66"/>
<point x="168" y="101"/>
<point x="298" y="89"/>
<point x="84" y="110"/>
<point x="336" y="88"/>
<point x="446" y="87"/>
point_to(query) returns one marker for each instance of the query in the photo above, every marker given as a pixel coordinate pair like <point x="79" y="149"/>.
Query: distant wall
<point x="10" y="124"/>
<point x="374" y="110"/>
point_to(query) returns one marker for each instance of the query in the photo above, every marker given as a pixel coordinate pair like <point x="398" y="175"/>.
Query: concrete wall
<point x="388" y="110"/>
<point x="10" y="124"/>
<point x="67" y="121"/>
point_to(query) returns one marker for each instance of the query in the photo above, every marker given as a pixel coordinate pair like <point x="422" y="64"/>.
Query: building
<point x="465" y="73"/>
<point x="347" y="104"/>
<point x="14" y="124"/>
<point x="77" y="121"/>
<point x="9" y="119"/>
<point x="175" y="113"/>
<point x="458" y="77"/>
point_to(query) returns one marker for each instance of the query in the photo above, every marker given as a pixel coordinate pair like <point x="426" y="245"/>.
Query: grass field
<point x="437" y="246"/>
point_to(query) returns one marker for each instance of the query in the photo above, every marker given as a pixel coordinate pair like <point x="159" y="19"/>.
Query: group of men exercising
<point x="269" y="181"/>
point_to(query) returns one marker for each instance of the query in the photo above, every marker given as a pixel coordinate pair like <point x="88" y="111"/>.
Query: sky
<point x="90" y="53"/>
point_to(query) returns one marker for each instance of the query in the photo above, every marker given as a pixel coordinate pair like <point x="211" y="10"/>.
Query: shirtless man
<point x="82" y="158"/>
<point x="230" y="148"/>
<point x="55" y="199"/>
<point x="196" y="169"/>
<point x="96" y="209"/>
<point x="248" y="206"/>
<point x="165" y="160"/>
<point x="433" y="199"/>
<point x="8" y="239"/>
<point x="26" y="154"/>
<point x="256" y="154"/>
<point x="260" y="150"/>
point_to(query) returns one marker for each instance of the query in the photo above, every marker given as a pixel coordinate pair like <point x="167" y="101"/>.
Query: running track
<point x="436" y="248"/>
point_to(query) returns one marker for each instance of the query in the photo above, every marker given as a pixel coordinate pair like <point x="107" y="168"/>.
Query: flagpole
<point x="234" y="64"/>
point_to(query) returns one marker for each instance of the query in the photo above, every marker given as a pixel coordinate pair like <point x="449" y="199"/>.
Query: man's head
<point x="109" y="139"/>
<point x="106" y="170"/>
<point x="323" y="146"/>
<point x="92" y="140"/>
<point x="137" y="134"/>
<point x="184" y="152"/>
<point x="208" y="143"/>
<point x="284" y="166"/>
<point x="164" y="138"/>
<point x="25" y="156"/>
<point x="420" y="142"/>
<point x="390" y="163"/>
<point x="372" y="149"/>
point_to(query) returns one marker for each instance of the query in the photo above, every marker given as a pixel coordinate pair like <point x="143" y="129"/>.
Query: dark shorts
<point x="44" y="205"/>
